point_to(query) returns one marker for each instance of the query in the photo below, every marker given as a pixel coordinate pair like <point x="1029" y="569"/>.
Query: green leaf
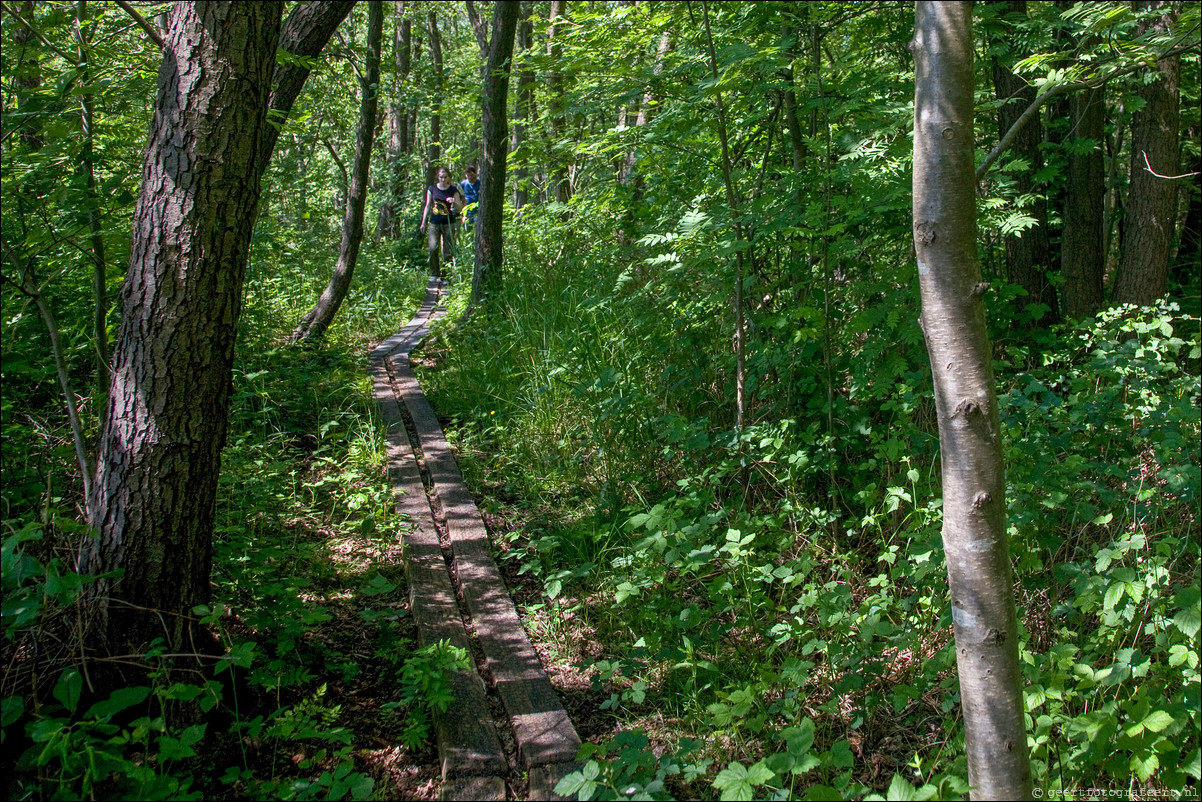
<point x="11" y="709"/>
<point x="1157" y="721"/>
<point x="900" y="790"/>
<point x="841" y="755"/>
<point x="799" y="738"/>
<point x="1144" y="767"/>
<point x="1114" y="595"/>
<point x="1193" y="766"/>
<point x="119" y="700"/>
<point x="1189" y="622"/>
<point x="737" y="782"/>
<point x="68" y="688"/>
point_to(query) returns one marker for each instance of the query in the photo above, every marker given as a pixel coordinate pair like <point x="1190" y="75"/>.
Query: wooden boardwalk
<point x="457" y="594"/>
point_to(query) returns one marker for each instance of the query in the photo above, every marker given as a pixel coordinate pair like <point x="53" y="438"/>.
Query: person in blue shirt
<point x="470" y="186"/>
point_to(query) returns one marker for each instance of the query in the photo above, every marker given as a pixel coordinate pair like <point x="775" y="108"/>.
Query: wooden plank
<point x="473" y="788"/>
<point x="465" y="733"/>
<point x="542" y="728"/>
<point x="543" y="780"/>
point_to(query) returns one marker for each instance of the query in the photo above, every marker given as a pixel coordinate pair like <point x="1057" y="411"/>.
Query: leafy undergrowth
<point x="764" y="614"/>
<point x="319" y="689"/>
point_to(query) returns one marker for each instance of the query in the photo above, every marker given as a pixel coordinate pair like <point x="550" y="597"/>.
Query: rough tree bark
<point x="486" y="277"/>
<point x="1151" y="210"/>
<point x="319" y="318"/>
<point x="953" y="321"/>
<point x="156" y="476"/>
<point x="153" y="498"/>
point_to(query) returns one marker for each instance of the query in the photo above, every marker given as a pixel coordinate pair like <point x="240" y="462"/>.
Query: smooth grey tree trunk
<point x="319" y="318"/>
<point x="953" y="321"/>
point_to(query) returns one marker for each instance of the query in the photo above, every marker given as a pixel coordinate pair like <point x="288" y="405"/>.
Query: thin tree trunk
<point x="487" y="276"/>
<point x="304" y="33"/>
<point x="319" y="318"/>
<point x="1082" y="257"/>
<point x="732" y="201"/>
<point x="30" y="77"/>
<point x="797" y="148"/>
<point x="1151" y="209"/>
<point x="87" y="165"/>
<point x="561" y="187"/>
<point x="647" y="104"/>
<point x="525" y="104"/>
<point x="1028" y="253"/>
<point x="29" y="286"/>
<point x="435" y="151"/>
<point x="160" y="451"/>
<point x="953" y="321"/>
<point x="398" y="121"/>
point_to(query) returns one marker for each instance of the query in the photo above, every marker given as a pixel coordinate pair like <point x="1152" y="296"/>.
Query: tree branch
<point x="61" y="53"/>
<point x="143" y="23"/>
<point x="1158" y="175"/>
<point x="1063" y="89"/>
<point x="29" y="287"/>
<point x="478" y="28"/>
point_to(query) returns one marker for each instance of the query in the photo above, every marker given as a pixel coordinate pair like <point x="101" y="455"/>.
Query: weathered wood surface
<point x="467" y="739"/>
<point x="546" y="740"/>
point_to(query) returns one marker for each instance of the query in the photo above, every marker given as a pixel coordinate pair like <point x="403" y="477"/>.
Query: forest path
<point x="456" y="593"/>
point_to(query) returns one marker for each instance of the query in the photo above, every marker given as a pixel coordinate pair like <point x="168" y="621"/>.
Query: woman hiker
<point x="443" y="199"/>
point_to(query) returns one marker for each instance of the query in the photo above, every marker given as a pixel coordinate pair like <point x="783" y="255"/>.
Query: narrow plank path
<point x="456" y="593"/>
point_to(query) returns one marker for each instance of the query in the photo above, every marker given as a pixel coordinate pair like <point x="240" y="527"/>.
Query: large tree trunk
<point x="319" y="318"/>
<point x="1028" y="254"/>
<point x="1151" y="210"/>
<point x="486" y="278"/>
<point x="953" y="321"/>
<point x="1082" y="257"/>
<point x="153" y="497"/>
<point x="156" y="478"/>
